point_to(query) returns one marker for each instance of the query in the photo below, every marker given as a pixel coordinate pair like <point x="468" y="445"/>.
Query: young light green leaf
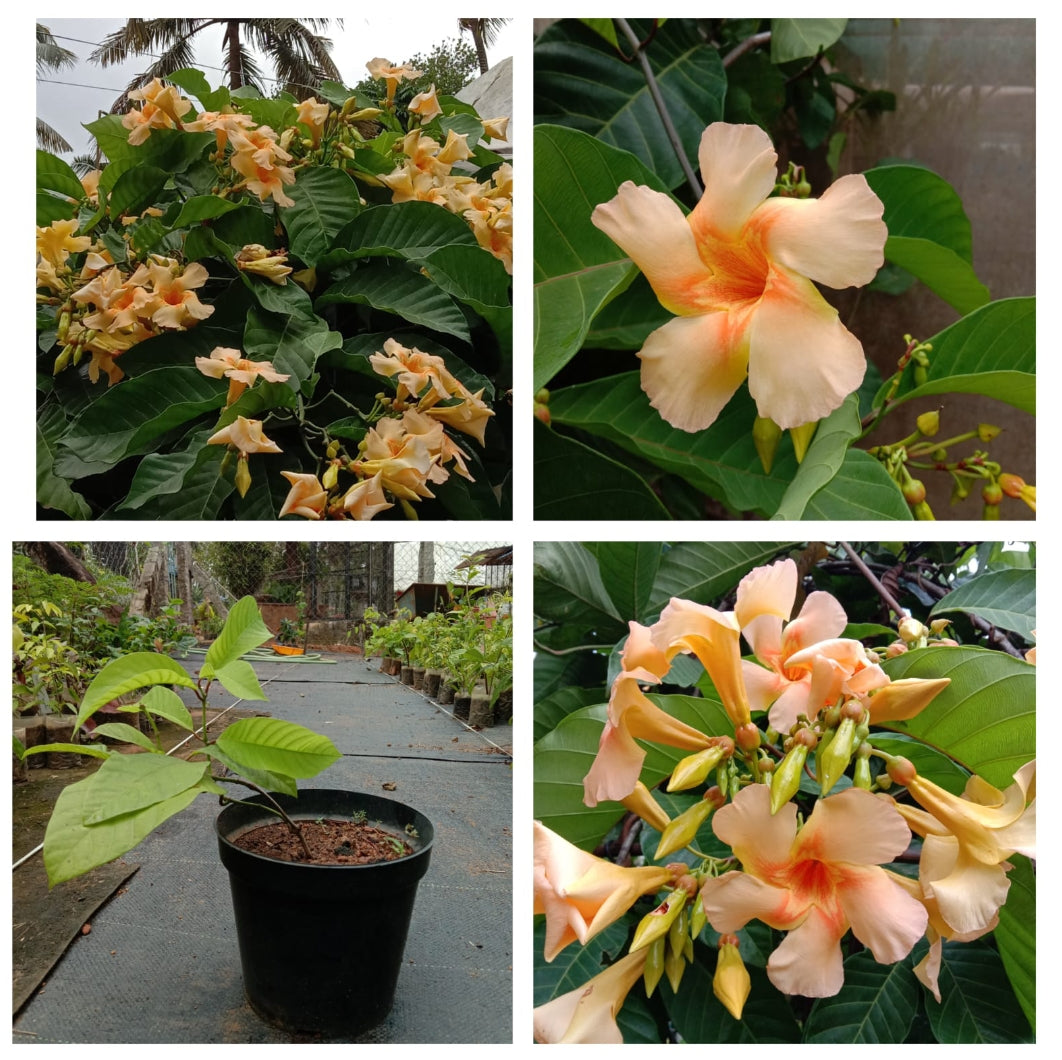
<point x="261" y="777"/>
<point x="1005" y="598"/>
<point x="277" y="746"/>
<point x="799" y="38"/>
<point x="66" y="748"/>
<point x="128" y="783"/>
<point x="165" y="703"/>
<point x="243" y="631"/>
<point x="940" y="269"/>
<point x="140" y="669"/>
<point x="118" y="730"/>
<point x="238" y="678"/>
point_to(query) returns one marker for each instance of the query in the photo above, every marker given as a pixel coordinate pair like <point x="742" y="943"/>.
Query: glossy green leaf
<point x="985" y="719"/>
<point x="861" y="489"/>
<point x="823" y="459"/>
<point x="243" y="631"/>
<point x="554" y="673"/>
<point x="721" y="462"/>
<point x="550" y="710"/>
<point x="263" y="778"/>
<point x="71" y="847"/>
<point x="1016" y="934"/>
<point x="703" y="571"/>
<point x="626" y="322"/>
<point x="138" y="669"/>
<point x="53" y="208"/>
<point x="194" y="82"/>
<point x="119" y="730"/>
<point x="477" y="279"/>
<point x="292" y="343"/>
<point x="575" y="964"/>
<point x="628" y="570"/>
<point x="203" y="491"/>
<point x="239" y="679"/>
<point x="54" y="491"/>
<point x="604" y="27"/>
<point x="992" y="351"/>
<point x="398" y="290"/>
<point x="278" y="747"/>
<point x="411" y="230"/>
<point x="931" y="763"/>
<point x="201" y="208"/>
<point x="563" y="758"/>
<point x="875" y="1006"/>
<point x="137" y="189"/>
<point x="799" y="38"/>
<point x="130" y="419"/>
<point x="977" y="1005"/>
<point x="569" y="589"/>
<point x="701" y="1019"/>
<point x="1005" y="598"/>
<point x="578" y="269"/>
<point x="940" y="269"/>
<point x="165" y="703"/>
<point x="53" y="174"/>
<point x="573" y="481"/>
<point x="65" y="748"/>
<point x="164" y="474"/>
<point x="582" y="82"/>
<point x="325" y="200"/>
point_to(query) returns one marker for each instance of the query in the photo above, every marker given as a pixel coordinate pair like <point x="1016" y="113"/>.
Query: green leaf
<point x="581" y="81"/>
<point x="131" y="418"/>
<point x="325" y="200"/>
<point x="575" y="964"/>
<point x="129" y="783"/>
<point x="703" y="571"/>
<point x="68" y="748"/>
<point x="721" y="462"/>
<point x="400" y="291"/>
<point x="139" y="669"/>
<point x="165" y="703"/>
<point x="861" y="489"/>
<point x="578" y="269"/>
<point x="239" y="679"/>
<point x="799" y="38"/>
<point x="72" y="847"/>
<point x="604" y="27"/>
<point x="53" y="174"/>
<point x="977" y="1004"/>
<point x="52" y="208"/>
<point x="162" y="475"/>
<point x="195" y="83"/>
<point x="137" y="189"/>
<point x="243" y="631"/>
<point x="201" y="208"/>
<point x="1016" y="934"/>
<point x="479" y="280"/>
<point x="1005" y="598"/>
<point x="628" y="570"/>
<point x="940" y="269"/>
<point x="53" y="491"/>
<point x="573" y="481"/>
<point x="985" y="719"/>
<point x="263" y="778"/>
<point x="118" y="730"/>
<point x="823" y="459"/>
<point x="876" y="1005"/>
<point x="701" y="1019"/>
<point x="931" y="763"/>
<point x="569" y="589"/>
<point x="992" y="351"/>
<point x="278" y="747"/>
<point x="625" y="323"/>
<point x="550" y="710"/>
<point x="293" y="342"/>
<point x="203" y="490"/>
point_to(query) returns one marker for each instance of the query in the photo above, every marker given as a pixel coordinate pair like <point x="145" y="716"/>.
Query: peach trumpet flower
<point x="226" y="363"/>
<point x="581" y="894"/>
<point x="246" y="436"/>
<point x="738" y="273"/>
<point x="307" y="497"/>
<point x="587" y="1014"/>
<point x="815" y="883"/>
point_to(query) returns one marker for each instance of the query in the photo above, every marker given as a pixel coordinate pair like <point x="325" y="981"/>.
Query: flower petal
<point x="884" y="917"/>
<point x="808" y="961"/>
<point x="692" y="366"/>
<point x="854" y="827"/>
<point x="803" y="362"/>
<point x="760" y="839"/>
<point x="768" y="590"/>
<point x="821" y="618"/>
<point x="837" y="240"/>
<point x="733" y="899"/>
<point x="739" y="167"/>
<point x="650" y="227"/>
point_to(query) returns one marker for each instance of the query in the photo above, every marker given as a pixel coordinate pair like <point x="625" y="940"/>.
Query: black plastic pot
<point x="321" y="945"/>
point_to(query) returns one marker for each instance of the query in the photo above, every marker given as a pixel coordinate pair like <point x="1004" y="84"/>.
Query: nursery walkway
<point x="161" y="962"/>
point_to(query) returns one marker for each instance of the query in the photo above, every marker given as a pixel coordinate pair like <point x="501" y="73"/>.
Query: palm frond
<point x="49" y="140"/>
<point x="50" y="54"/>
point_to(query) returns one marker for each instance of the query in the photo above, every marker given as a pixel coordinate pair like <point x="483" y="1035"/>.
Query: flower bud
<point x="938" y="625"/>
<point x="861" y="776"/>
<point x="692" y="770"/>
<point x="674" y="966"/>
<point x="747" y="736"/>
<point x="682" y="829"/>
<point x="655" y="925"/>
<point x="801" y="437"/>
<point x="986" y="432"/>
<point x="929" y="422"/>
<point x="1012" y="485"/>
<point x="991" y="493"/>
<point x="911" y="629"/>
<point x="731" y="983"/>
<point x="923" y="512"/>
<point x="921" y="376"/>
<point x="901" y="770"/>
<point x="641" y="802"/>
<point x="542" y="396"/>
<point x="678" y="933"/>
<point x="765" y="436"/>
<point x="654" y="965"/>
<point x="786" y="778"/>
<point x="914" y="491"/>
<point x="836" y="757"/>
<point x="698" y="918"/>
<point x="542" y="413"/>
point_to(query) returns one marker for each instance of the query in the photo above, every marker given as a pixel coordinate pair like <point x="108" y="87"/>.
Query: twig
<point x="874" y="580"/>
<point x="628" y="842"/>
<point x="746" y="45"/>
<point x="658" y="100"/>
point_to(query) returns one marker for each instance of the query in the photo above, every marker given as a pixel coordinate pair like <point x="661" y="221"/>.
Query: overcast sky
<point x="89" y="88"/>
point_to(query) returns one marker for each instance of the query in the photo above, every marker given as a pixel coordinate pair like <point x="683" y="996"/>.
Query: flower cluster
<point x="815" y="875"/>
<point x="114" y="309"/>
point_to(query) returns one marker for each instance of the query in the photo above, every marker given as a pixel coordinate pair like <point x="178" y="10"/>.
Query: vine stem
<point x="874" y="580"/>
<point x="661" y="107"/>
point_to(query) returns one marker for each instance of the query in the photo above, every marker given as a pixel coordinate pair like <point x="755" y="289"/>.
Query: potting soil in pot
<point x="331" y="842"/>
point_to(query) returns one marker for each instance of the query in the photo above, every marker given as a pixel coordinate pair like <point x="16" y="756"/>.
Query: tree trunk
<point x="481" y="48"/>
<point x="55" y="558"/>
<point x="234" y="62"/>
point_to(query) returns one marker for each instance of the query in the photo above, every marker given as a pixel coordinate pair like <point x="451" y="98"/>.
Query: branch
<point x="661" y="107"/>
<point x="746" y="45"/>
<point x="874" y="580"/>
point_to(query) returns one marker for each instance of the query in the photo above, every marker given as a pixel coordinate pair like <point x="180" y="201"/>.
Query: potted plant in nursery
<point x="323" y="882"/>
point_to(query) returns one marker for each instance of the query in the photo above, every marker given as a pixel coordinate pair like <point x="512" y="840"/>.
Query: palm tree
<point x="300" y="57"/>
<point x="50" y="57"/>
<point x="484" y="33"/>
